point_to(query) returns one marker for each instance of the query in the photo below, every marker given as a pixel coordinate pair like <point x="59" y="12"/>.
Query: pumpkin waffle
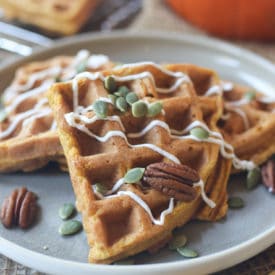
<point x="28" y="137"/>
<point x="61" y="17"/>
<point x="102" y="150"/>
<point x="248" y="123"/>
<point x="235" y="113"/>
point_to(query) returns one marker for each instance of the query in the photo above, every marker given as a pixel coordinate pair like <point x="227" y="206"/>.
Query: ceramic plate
<point x="242" y="234"/>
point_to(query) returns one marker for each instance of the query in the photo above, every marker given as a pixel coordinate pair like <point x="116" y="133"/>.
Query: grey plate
<point x="241" y="235"/>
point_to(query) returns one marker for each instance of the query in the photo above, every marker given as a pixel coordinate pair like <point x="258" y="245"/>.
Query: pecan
<point x="268" y="175"/>
<point x="19" y="208"/>
<point x="174" y="180"/>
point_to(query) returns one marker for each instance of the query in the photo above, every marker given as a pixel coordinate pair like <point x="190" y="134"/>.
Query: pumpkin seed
<point x="81" y="67"/>
<point x="253" y="178"/>
<point x="57" y="79"/>
<point x="131" y="98"/>
<point x="139" y="109"/>
<point x="250" y="95"/>
<point x="199" y="133"/>
<point x="187" y="252"/>
<point x="122" y="91"/>
<point x="134" y="175"/>
<point x="70" y="227"/>
<point x="3" y="115"/>
<point x="125" y="262"/>
<point x="235" y="202"/>
<point x="100" y="108"/>
<point x="66" y="211"/>
<point x="154" y="109"/>
<point x="179" y="240"/>
<point x="113" y="98"/>
<point x="121" y="104"/>
<point x="110" y="84"/>
<point x="100" y="188"/>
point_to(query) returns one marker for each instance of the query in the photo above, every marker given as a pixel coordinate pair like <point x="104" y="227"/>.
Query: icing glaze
<point x="70" y="118"/>
<point x="145" y="206"/>
<point x="208" y="201"/>
<point x="96" y="61"/>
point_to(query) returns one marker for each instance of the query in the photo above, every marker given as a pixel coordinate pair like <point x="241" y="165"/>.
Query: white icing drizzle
<point x="16" y="120"/>
<point x="95" y="61"/>
<point x="116" y="186"/>
<point x="149" y="127"/>
<point x="267" y="99"/>
<point x="47" y="78"/>
<point x="42" y="113"/>
<point x="226" y="116"/>
<point x="220" y="88"/>
<point x="71" y="70"/>
<point x="155" y="65"/>
<point x="11" y="91"/>
<point x="208" y="201"/>
<point x="70" y="118"/>
<point x="237" y="103"/>
<point x="34" y="92"/>
<point x="214" y="90"/>
<point x="242" y="114"/>
<point x="227" y="86"/>
<point x="54" y="126"/>
<point x="145" y="206"/>
<point x="237" y="163"/>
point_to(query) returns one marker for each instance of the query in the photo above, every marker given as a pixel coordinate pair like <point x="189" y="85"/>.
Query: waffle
<point x="244" y="127"/>
<point x="62" y="17"/>
<point x="249" y="123"/>
<point x="118" y="226"/>
<point x="28" y="137"/>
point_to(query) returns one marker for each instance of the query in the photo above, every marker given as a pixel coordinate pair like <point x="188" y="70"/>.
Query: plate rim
<point x="233" y="255"/>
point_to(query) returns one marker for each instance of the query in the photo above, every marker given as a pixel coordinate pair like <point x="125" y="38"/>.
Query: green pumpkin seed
<point x="70" y="227"/>
<point x="122" y="91"/>
<point x="250" y="95"/>
<point x="139" y="109"/>
<point x="100" y="108"/>
<point x="131" y="98"/>
<point x="57" y="79"/>
<point x="199" y="133"/>
<point x="3" y="115"/>
<point x="253" y="178"/>
<point x="187" y="252"/>
<point x="125" y="262"/>
<point x="134" y="175"/>
<point x="113" y="98"/>
<point x="81" y="67"/>
<point x="100" y="188"/>
<point x="154" y="109"/>
<point x="179" y="240"/>
<point x="235" y="202"/>
<point x="110" y="84"/>
<point x="121" y="104"/>
<point x="66" y="211"/>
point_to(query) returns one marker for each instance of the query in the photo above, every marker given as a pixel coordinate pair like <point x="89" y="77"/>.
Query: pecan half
<point x="268" y="175"/>
<point x="19" y="208"/>
<point x="174" y="180"/>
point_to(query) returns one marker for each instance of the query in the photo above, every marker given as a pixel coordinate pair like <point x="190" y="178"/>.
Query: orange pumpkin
<point x="245" y="19"/>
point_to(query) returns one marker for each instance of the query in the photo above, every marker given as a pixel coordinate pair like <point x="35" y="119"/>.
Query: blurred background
<point x="28" y="24"/>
